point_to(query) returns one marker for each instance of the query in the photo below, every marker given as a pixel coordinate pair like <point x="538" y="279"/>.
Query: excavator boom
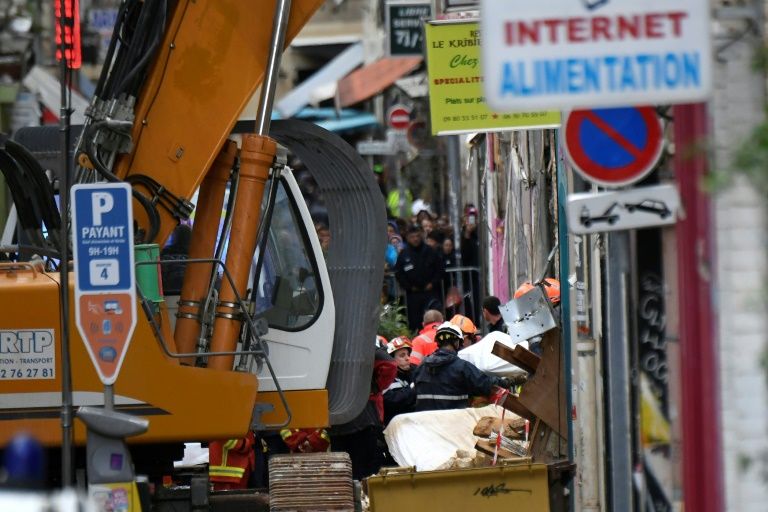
<point x="209" y="65"/>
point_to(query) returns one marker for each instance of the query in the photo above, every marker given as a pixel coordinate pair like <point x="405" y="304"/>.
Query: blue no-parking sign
<point x="105" y="293"/>
<point x="613" y="147"/>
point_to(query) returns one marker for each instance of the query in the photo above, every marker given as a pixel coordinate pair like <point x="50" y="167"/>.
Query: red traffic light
<point x="71" y="26"/>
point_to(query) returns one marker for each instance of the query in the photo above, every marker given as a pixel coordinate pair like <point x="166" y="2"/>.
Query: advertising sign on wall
<point x="456" y="99"/>
<point x="576" y="54"/>
<point x="404" y="26"/>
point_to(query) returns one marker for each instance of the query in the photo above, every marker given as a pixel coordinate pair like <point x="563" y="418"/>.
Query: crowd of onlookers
<point x="422" y="264"/>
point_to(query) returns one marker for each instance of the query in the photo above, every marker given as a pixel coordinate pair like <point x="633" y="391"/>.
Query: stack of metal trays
<point x="311" y="481"/>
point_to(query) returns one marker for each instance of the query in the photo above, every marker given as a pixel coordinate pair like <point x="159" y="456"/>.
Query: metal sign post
<point x="105" y="281"/>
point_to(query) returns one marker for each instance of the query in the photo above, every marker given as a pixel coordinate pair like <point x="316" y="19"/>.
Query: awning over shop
<point x="361" y="120"/>
<point x="372" y="79"/>
<point x="321" y="85"/>
<point x="48" y="88"/>
<point x="328" y="118"/>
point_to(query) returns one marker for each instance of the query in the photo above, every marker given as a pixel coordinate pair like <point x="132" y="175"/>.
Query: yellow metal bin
<point x="520" y="486"/>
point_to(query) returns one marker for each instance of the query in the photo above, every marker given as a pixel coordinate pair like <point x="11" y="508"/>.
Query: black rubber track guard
<point x="357" y="220"/>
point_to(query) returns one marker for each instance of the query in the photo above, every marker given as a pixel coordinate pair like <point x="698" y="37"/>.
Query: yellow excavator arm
<point x="210" y="63"/>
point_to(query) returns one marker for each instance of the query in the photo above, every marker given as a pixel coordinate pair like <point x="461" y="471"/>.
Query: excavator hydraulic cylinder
<point x="197" y="276"/>
<point x="256" y="158"/>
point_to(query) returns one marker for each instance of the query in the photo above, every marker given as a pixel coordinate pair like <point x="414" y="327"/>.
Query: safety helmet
<point x="465" y="324"/>
<point x="381" y="341"/>
<point x="397" y="343"/>
<point x="448" y="333"/>
<point x="551" y="286"/>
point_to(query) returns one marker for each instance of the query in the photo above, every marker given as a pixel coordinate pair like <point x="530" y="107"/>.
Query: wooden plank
<point x="519" y="356"/>
<point x="513" y="404"/>
<point x="546" y="446"/>
<point x="544" y="393"/>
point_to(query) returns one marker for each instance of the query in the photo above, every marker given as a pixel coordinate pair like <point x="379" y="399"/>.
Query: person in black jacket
<point x="419" y="271"/>
<point x="492" y="314"/>
<point x="400" y="397"/>
<point x="444" y="381"/>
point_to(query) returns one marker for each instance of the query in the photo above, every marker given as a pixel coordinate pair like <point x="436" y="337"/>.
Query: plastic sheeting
<point x="429" y="440"/>
<point x="194" y="455"/>
<point x="480" y="355"/>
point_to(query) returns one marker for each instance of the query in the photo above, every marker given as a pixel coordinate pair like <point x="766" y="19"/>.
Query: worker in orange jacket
<point x="230" y="462"/>
<point x="424" y="343"/>
<point x="306" y="440"/>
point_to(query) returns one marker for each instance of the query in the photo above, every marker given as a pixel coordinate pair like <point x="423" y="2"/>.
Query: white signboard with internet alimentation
<point x="595" y="53"/>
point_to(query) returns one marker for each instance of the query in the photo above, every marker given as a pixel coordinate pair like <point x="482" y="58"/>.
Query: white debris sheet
<point x="480" y="355"/>
<point x="194" y="455"/>
<point x="430" y="440"/>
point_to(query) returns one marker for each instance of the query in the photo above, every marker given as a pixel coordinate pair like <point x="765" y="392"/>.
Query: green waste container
<point x="148" y="276"/>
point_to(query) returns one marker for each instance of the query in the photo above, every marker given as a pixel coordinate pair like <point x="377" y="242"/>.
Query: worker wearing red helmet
<point x="468" y="329"/>
<point x="400" y="397"/>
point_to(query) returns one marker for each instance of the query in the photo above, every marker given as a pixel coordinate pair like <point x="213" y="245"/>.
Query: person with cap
<point x="419" y="271"/>
<point x="399" y="397"/>
<point x="444" y="381"/>
<point x="468" y="329"/>
<point x="492" y="314"/>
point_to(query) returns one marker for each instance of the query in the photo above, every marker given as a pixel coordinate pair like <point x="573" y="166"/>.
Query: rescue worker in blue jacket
<point x="444" y="381"/>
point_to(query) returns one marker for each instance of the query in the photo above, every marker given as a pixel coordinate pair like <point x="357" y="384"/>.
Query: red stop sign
<point x="399" y="117"/>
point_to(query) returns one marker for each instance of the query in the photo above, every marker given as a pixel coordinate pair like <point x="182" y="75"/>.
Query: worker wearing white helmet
<point x="444" y="381"/>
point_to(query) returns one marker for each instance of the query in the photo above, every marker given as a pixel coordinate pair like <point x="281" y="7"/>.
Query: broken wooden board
<point x="546" y="445"/>
<point x="513" y="427"/>
<point x="518" y="356"/>
<point x="544" y="393"/>
<point x="512" y="403"/>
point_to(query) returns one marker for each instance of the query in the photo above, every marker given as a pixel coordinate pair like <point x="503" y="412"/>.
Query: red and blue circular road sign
<point x="614" y="147"/>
